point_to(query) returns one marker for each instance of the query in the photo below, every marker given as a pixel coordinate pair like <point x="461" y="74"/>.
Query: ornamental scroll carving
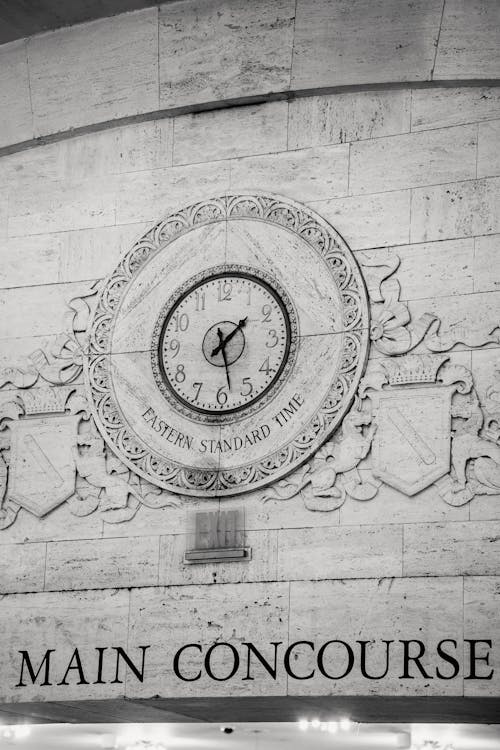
<point x="465" y="460"/>
<point x="412" y="396"/>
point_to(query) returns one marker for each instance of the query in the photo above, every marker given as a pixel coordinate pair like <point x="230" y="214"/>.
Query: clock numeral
<point x="181" y="321"/>
<point x="200" y="301"/>
<point x="221" y="395"/>
<point x="249" y="295"/>
<point x="198" y="386"/>
<point x="248" y="384"/>
<point x="180" y="375"/>
<point x="225" y="289"/>
<point x="273" y="337"/>
<point x="265" y="366"/>
<point x="266" y="313"/>
<point x="175" y="347"/>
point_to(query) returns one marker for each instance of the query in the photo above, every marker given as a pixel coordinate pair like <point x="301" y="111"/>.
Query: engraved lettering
<point x="168" y="432"/>
<point x="235" y="443"/>
<point x="288" y="411"/>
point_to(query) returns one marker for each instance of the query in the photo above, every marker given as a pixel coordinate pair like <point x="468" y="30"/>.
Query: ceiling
<point x="252" y="736"/>
<point x="21" y="18"/>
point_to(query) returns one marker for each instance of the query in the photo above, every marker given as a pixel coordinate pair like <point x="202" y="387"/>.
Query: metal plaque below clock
<point x="227" y="345"/>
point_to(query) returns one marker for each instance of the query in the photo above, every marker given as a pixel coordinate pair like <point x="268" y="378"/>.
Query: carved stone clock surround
<point x="341" y="310"/>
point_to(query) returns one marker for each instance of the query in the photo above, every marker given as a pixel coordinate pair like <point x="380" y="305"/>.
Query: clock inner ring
<point x="242" y="324"/>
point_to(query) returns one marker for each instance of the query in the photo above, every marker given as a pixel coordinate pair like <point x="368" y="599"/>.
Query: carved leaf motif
<point x="456" y="375"/>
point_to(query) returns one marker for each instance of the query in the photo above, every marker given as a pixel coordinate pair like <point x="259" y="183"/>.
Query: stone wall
<point x="188" y="54"/>
<point x="408" y="172"/>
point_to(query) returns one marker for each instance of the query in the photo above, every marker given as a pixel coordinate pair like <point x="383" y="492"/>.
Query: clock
<point x="224" y="341"/>
<point x="227" y="345"/>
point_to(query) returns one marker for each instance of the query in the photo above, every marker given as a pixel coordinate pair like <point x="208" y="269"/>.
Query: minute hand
<point x="222" y="344"/>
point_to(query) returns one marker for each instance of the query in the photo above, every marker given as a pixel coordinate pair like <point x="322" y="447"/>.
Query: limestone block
<point x="30" y="260"/>
<point x="16" y="120"/>
<point x="172" y="617"/>
<point x="22" y="567"/>
<point x="339" y="118"/>
<point x="94" y="253"/>
<point x="210" y="52"/>
<point x="146" y="145"/>
<point x="173" y="520"/>
<point x="462" y="548"/>
<point x="238" y="131"/>
<point x="372" y="610"/>
<point x="58" y="205"/>
<point x="59" y="524"/>
<point x="443" y="107"/>
<point x="151" y="194"/>
<point x="102" y="563"/>
<point x="366" y="221"/>
<point x="485" y="508"/>
<point x="261" y="566"/>
<point x="62" y="621"/>
<point x="482" y="621"/>
<point x="414" y="159"/>
<point x="486" y="255"/>
<point x="469" y="42"/>
<point x="339" y="552"/>
<point x="434" y="269"/>
<point x="305" y="175"/>
<point x="394" y="41"/>
<point x="95" y="71"/>
<point x="455" y="210"/>
<point x="392" y="506"/>
<point x="488" y="149"/>
<point x="278" y="514"/>
<point x="36" y="311"/>
<point x="65" y="256"/>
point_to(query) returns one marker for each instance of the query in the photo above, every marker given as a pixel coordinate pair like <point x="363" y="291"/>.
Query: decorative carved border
<point x="324" y="240"/>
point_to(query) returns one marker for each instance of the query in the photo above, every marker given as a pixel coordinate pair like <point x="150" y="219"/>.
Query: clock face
<point x="227" y="345"/>
<point x="225" y="341"/>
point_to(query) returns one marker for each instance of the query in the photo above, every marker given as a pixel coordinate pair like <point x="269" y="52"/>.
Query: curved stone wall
<point x="193" y="55"/>
<point x="407" y="174"/>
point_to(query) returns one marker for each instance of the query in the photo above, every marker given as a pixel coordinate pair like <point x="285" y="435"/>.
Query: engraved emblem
<point x="412" y="445"/>
<point x="42" y="467"/>
<point x="412" y="414"/>
<point x="42" y="471"/>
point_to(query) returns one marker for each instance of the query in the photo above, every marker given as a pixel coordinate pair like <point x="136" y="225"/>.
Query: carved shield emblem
<point x="411" y="448"/>
<point x="42" y="468"/>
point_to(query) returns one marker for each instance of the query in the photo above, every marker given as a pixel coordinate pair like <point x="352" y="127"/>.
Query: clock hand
<point x="222" y="344"/>
<point x="223" y="341"/>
